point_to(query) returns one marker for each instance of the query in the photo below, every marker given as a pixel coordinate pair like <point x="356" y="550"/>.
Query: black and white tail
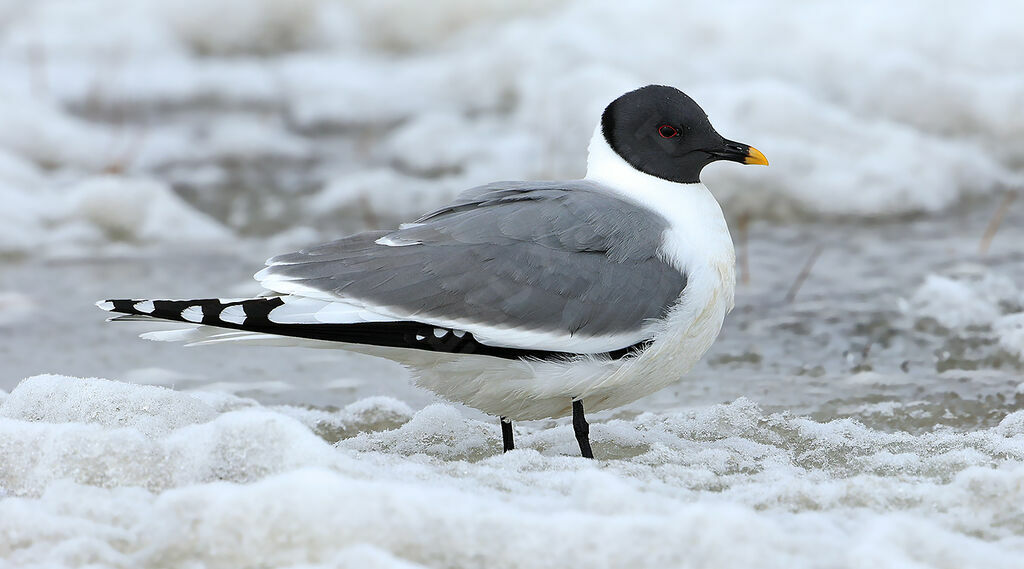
<point x="276" y="319"/>
<point x="208" y="320"/>
<point x="226" y="313"/>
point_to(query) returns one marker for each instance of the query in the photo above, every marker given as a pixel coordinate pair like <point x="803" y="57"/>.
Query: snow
<point x="257" y="26"/>
<point x="123" y="475"/>
<point x="14" y="307"/>
<point x="972" y="302"/>
<point x="1011" y="333"/>
<point x="278" y="108"/>
<point x="846" y="428"/>
<point x="151" y="411"/>
<point x="970" y="296"/>
<point x="138" y="209"/>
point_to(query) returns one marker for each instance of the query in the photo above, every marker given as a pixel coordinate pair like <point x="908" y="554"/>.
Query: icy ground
<point x="876" y="419"/>
<point x="869" y="413"/>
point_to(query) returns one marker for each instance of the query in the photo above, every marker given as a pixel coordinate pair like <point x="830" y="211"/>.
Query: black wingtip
<point x="122" y="305"/>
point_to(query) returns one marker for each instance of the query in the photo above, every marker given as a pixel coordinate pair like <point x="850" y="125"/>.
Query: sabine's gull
<point x="524" y="300"/>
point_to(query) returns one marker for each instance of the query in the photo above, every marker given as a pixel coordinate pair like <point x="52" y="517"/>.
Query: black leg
<point x="506" y="435"/>
<point x="582" y="428"/>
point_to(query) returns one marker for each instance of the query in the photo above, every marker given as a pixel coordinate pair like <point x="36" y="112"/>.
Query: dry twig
<point x="743" y="257"/>
<point x="995" y="222"/>
<point x="804" y="273"/>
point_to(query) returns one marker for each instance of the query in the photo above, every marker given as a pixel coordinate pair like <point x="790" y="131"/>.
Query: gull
<point x="524" y="300"/>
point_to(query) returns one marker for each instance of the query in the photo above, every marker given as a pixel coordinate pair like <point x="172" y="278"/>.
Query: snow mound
<point x="256" y="26"/>
<point x="138" y="210"/>
<point x="111" y="434"/>
<point x="110" y="474"/>
<point x="152" y="411"/>
<point x="429" y="27"/>
<point x="971" y="296"/>
<point x="62" y="182"/>
<point x="1011" y="333"/>
<point x="438" y="430"/>
<point x="364" y="416"/>
<point x="51" y="138"/>
<point x="976" y="308"/>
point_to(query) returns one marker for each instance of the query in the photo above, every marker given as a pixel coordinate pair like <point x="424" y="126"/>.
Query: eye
<point x="668" y="131"/>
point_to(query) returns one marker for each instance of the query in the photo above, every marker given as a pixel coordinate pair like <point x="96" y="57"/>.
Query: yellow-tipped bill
<point x="754" y="156"/>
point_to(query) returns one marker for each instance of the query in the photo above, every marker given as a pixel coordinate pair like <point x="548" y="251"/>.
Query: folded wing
<point x="563" y="267"/>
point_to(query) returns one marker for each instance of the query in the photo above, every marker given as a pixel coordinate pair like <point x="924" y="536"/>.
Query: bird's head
<point x="660" y="131"/>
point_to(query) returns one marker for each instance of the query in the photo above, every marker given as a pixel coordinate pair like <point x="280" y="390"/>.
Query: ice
<point x="1011" y="333"/>
<point x="445" y="19"/>
<point x="971" y="296"/>
<point x="260" y="26"/>
<point x="112" y="434"/>
<point x="14" y="307"/>
<point x="979" y="312"/>
<point x="50" y="137"/>
<point x="284" y="113"/>
<point x="122" y="475"/>
<point x="151" y="411"/>
<point x="363" y="416"/>
<point x="437" y="430"/>
<point x="139" y="210"/>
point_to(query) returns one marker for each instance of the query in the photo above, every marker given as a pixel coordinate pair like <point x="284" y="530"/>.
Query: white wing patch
<point x="286" y="285"/>
<point x="304" y="310"/>
<point x="392" y="241"/>
<point x="189" y="334"/>
<point x="204" y="335"/>
<point x="193" y="314"/>
<point x="234" y="314"/>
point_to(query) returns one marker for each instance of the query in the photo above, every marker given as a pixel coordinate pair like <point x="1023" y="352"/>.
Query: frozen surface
<point x="971" y="298"/>
<point x="262" y="112"/>
<point x="865" y="412"/>
<point x="226" y="482"/>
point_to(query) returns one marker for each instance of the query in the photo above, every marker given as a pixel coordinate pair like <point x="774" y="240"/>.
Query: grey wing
<point x="566" y="261"/>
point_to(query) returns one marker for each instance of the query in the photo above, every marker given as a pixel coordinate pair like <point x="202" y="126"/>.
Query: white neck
<point x="697" y="231"/>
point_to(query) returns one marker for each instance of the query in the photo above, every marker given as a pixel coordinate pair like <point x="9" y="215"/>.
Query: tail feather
<point x="198" y="335"/>
<point x="296" y="318"/>
<point x="216" y="320"/>
<point x="250" y="320"/>
<point x="227" y="313"/>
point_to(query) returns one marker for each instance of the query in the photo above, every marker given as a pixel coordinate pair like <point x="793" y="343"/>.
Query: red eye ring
<point x="668" y="131"/>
